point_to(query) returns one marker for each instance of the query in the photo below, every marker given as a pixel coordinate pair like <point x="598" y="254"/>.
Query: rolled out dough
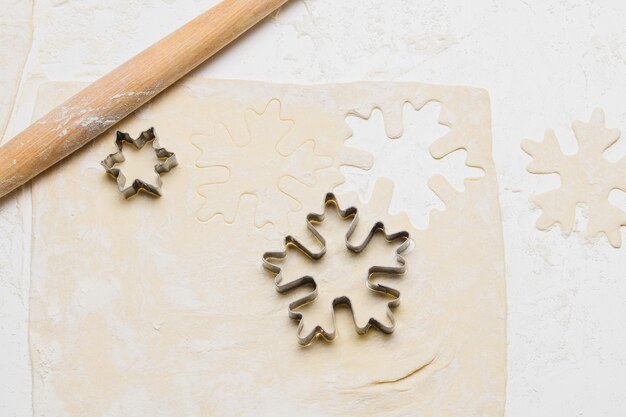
<point x="161" y="307"/>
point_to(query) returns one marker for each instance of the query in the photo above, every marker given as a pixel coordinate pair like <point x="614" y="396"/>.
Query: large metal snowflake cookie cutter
<point x="118" y="157"/>
<point x="378" y="227"/>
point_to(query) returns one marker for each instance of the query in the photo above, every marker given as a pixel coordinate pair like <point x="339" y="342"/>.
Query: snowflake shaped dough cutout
<point x="256" y="168"/>
<point x="333" y="274"/>
<point x="587" y="177"/>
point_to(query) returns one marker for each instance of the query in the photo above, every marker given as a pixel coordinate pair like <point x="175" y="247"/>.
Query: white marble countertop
<point x="545" y="64"/>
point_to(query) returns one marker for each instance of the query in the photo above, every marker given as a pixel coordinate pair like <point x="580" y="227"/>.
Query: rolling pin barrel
<point x="114" y="96"/>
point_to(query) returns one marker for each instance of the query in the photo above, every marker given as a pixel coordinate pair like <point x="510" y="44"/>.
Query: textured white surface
<point x="544" y="64"/>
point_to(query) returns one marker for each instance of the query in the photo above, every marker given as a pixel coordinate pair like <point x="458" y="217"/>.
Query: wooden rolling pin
<point x="114" y="96"/>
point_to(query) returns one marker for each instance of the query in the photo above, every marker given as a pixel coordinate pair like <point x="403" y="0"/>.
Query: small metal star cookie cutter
<point x="312" y="219"/>
<point x="115" y="158"/>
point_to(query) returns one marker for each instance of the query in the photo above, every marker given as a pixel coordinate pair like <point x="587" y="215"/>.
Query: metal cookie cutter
<point x="378" y="227"/>
<point x="115" y="158"/>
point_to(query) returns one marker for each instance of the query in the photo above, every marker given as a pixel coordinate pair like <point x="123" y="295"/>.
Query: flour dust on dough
<point x="162" y="307"/>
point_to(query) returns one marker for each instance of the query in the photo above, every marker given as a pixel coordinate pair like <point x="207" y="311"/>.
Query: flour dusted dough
<point x="161" y="307"/>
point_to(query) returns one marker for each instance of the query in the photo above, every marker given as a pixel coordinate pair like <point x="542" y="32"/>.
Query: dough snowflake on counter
<point x="257" y="168"/>
<point x="340" y="272"/>
<point x="587" y="177"/>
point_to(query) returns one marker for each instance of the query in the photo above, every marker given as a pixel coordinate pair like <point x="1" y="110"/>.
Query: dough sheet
<point x="161" y="306"/>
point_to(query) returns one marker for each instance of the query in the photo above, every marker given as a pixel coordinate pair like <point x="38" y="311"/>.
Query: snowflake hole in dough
<point x="407" y="160"/>
<point x="587" y="180"/>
